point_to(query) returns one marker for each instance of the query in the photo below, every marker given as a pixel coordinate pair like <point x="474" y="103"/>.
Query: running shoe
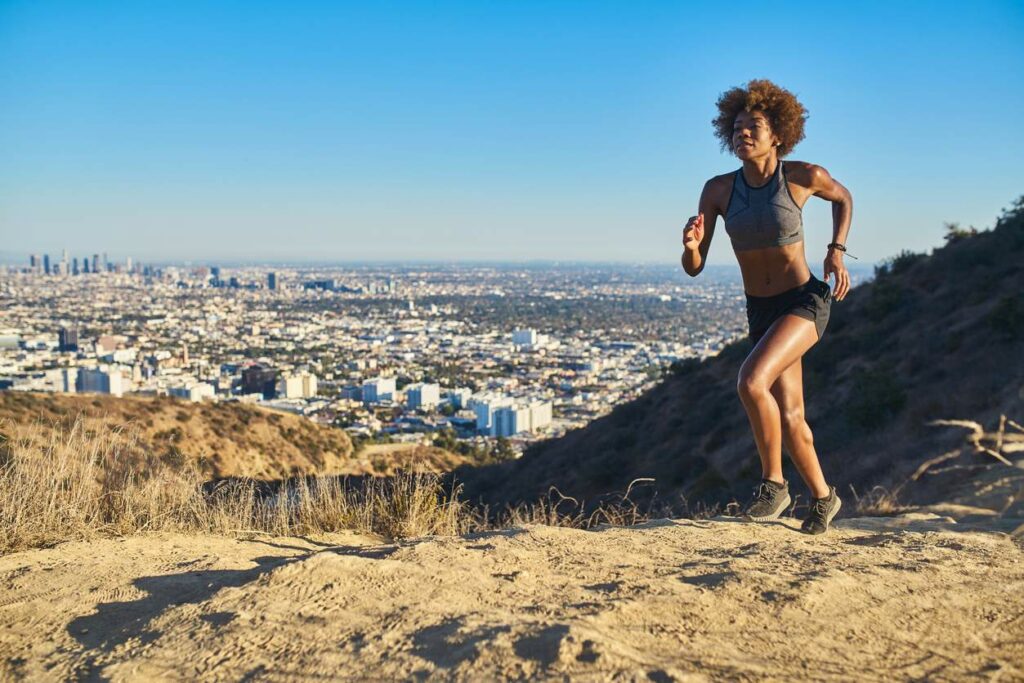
<point x="821" y="513"/>
<point x="770" y="499"/>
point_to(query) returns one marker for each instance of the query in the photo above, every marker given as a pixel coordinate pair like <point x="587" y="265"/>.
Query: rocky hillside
<point x="932" y="336"/>
<point x="228" y="439"/>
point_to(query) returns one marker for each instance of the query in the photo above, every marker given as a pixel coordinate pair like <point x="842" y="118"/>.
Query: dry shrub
<point x="879" y="501"/>
<point x="566" y="511"/>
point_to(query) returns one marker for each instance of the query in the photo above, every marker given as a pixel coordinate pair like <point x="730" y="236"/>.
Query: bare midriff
<point x="773" y="270"/>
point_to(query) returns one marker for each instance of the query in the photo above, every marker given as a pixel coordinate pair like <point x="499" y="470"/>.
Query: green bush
<point x="885" y="297"/>
<point x="1007" y="317"/>
<point x="876" y="398"/>
<point x="625" y="439"/>
<point x="954" y="233"/>
<point x="684" y="366"/>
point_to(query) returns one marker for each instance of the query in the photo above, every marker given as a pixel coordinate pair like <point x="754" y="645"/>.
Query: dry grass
<point x="61" y="483"/>
<point x="67" y="483"/>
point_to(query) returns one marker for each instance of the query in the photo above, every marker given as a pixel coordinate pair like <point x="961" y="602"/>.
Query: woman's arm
<point x="700" y="228"/>
<point x="828" y="188"/>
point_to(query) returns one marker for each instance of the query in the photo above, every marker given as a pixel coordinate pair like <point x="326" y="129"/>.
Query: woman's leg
<point x="783" y="344"/>
<point x="788" y="391"/>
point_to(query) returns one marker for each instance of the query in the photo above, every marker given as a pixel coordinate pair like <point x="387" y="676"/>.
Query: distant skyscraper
<point x="258" y="379"/>
<point x="68" y="339"/>
<point x="33" y="262"/>
<point x="95" y="263"/>
<point x="74" y="266"/>
<point x="46" y="263"/>
<point x="128" y="264"/>
<point x="272" y="281"/>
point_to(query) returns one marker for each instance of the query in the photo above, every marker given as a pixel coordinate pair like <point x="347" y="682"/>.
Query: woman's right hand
<point x="693" y="233"/>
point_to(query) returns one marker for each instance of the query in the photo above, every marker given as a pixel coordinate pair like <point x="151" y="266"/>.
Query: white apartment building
<point x="540" y="415"/>
<point x="516" y="418"/>
<point x="509" y="420"/>
<point x="529" y="339"/>
<point x="101" y="380"/>
<point x="524" y="337"/>
<point x="379" y="389"/>
<point x="192" y="391"/>
<point x="422" y="395"/>
<point x="302" y="385"/>
<point x="459" y="397"/>
<point x="484" y="407"/>
<point x="69" y="380"/>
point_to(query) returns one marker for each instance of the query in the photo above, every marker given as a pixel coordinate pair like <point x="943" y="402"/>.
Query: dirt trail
<point x="874" y="599"/>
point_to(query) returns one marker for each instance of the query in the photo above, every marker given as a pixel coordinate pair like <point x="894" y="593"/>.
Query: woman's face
<point x="752" y="135"/>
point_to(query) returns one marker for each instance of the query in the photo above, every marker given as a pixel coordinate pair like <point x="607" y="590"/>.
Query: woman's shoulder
<point x="722" y="182"/>
<point x="719" y="187"/>
<point x="803" y="173"/>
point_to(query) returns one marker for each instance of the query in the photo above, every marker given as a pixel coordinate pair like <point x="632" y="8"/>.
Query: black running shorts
<point x="811" y="300"/>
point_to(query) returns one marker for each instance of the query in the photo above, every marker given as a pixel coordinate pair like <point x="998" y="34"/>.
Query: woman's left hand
<point x="834" y="264"/>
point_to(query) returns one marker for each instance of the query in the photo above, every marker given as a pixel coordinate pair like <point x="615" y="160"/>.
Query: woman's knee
<point x="751" y="383"/>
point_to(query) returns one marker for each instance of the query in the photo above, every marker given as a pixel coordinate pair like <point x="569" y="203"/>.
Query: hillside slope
<point x="228" y="439"/>
<point x="939" y="336"/>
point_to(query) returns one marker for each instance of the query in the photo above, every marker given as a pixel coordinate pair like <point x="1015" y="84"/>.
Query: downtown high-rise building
<point x="68" y="339"/>
<point x="46" y="264"/>
<point x="272" y="281"/>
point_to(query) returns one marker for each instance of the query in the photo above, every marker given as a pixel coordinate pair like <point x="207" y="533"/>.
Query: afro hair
<point x="783" y="110"/>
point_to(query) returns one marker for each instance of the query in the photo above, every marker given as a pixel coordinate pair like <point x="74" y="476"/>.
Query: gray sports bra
<point x="765" y="216"/>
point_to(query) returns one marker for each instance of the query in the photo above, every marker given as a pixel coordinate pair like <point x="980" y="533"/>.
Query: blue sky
<point x="484" y="130"/>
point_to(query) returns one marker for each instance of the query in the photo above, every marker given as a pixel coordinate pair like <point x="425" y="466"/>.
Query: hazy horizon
<point x="23" y="260"/>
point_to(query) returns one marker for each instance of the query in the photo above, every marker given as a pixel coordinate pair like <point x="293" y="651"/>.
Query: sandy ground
<point x="910" y="597"/>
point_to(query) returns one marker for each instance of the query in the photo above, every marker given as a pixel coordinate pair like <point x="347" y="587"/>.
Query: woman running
<point x="787" y="307"/>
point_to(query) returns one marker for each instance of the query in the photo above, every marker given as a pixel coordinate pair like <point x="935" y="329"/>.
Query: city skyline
<point x="469" y="133"/>
<point x="24" y="262"/>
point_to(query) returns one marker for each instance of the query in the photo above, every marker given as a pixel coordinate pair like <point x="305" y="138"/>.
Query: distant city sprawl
<point x="392" y="352"/>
